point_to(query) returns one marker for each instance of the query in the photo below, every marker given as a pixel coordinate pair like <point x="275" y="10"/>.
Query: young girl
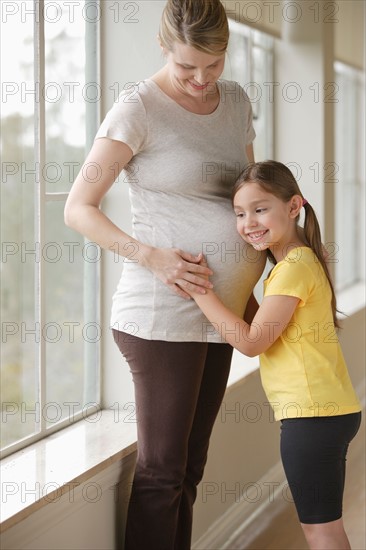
<point x="302" y="367"/>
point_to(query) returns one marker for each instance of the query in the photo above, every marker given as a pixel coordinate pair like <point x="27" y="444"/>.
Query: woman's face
<point x="194" y="72"/>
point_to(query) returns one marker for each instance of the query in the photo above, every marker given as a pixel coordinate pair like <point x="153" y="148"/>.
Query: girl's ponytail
<point x="313" y="238"/>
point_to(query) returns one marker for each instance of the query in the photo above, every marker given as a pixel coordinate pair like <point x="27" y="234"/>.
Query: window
<point x="350" y="179"/>
<point x="49" y="274"/>
<point x="250" y="62"/>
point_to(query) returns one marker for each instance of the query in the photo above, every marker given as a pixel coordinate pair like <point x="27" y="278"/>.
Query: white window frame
<point x="350" y="159"/>
<point x="43" y="197"/>
<point x="242" y="365"/>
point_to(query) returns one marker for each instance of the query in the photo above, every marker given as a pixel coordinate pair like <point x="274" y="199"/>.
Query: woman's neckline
<point x="179" y="106"/>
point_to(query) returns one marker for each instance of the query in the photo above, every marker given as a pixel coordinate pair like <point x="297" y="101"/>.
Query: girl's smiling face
<point x="265" y="221"/>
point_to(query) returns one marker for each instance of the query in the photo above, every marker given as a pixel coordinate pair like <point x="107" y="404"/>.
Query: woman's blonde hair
<point x="201" y="24"/>
<point x="275" y="178"/>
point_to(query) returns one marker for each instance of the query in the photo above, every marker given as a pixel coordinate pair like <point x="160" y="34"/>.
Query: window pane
<point x="237" y="59"/>
<point x="71" y="331"/>
<point x="49" y="282"/>
<point x="249" y="62"/>
<point x="20" y="252"/>
<point x="65" y="93"/>
<point x="261" y="96"/>
<point x="350" y="181"/>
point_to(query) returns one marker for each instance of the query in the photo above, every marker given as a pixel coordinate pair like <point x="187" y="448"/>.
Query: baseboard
<point x="43" y="524"/>
<point x="239" y="516"/>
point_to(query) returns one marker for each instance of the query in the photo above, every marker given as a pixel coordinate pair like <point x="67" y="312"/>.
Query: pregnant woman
<point x="183" y="137"/>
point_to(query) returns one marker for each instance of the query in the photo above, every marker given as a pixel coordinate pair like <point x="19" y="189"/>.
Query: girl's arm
<point x="269" y="322"/>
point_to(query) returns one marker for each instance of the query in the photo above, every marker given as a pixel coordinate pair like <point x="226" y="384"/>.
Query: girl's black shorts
<point x="313" y="452"/>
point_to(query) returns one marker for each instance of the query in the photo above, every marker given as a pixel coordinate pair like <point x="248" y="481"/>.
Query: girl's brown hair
<point x="275" y="178"/>
<point x="201" y="24"/>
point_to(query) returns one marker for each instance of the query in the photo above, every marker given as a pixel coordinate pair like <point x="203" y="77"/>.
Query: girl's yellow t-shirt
<point x="304" y="373"/>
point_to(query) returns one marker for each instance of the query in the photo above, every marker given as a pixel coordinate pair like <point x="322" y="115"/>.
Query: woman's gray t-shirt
<point x="180" y="180"/>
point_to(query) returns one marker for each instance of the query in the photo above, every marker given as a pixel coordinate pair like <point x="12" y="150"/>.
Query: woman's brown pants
<point x="179" y="387"/>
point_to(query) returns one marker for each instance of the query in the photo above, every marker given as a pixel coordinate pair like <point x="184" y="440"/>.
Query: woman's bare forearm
<point x="91" y="222"/>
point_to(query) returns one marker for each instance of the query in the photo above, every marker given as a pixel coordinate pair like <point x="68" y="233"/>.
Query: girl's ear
<point x="295" y="206"/>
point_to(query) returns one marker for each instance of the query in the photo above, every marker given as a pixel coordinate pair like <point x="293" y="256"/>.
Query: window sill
<point x="41" y="473"/>
<point x="241" y="366"/>
<point x="352" y="299"/>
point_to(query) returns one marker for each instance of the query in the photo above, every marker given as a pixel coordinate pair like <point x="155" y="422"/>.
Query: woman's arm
<point x="174" y="267"/>
<point x="82" y="211"/>
<point x="269" y="322"/>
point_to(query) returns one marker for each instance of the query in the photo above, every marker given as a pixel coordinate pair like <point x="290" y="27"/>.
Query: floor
<point x="283" y="531"/>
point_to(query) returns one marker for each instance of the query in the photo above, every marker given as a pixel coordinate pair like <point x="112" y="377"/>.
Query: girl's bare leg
<point x="326" y="536"/>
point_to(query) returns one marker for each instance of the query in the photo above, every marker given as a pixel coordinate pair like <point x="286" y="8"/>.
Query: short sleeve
<point x="291" y="277"/>
<point x="126" y="121"/>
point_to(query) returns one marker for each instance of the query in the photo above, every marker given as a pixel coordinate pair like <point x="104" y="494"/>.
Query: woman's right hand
<point x="178" y="270"/>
